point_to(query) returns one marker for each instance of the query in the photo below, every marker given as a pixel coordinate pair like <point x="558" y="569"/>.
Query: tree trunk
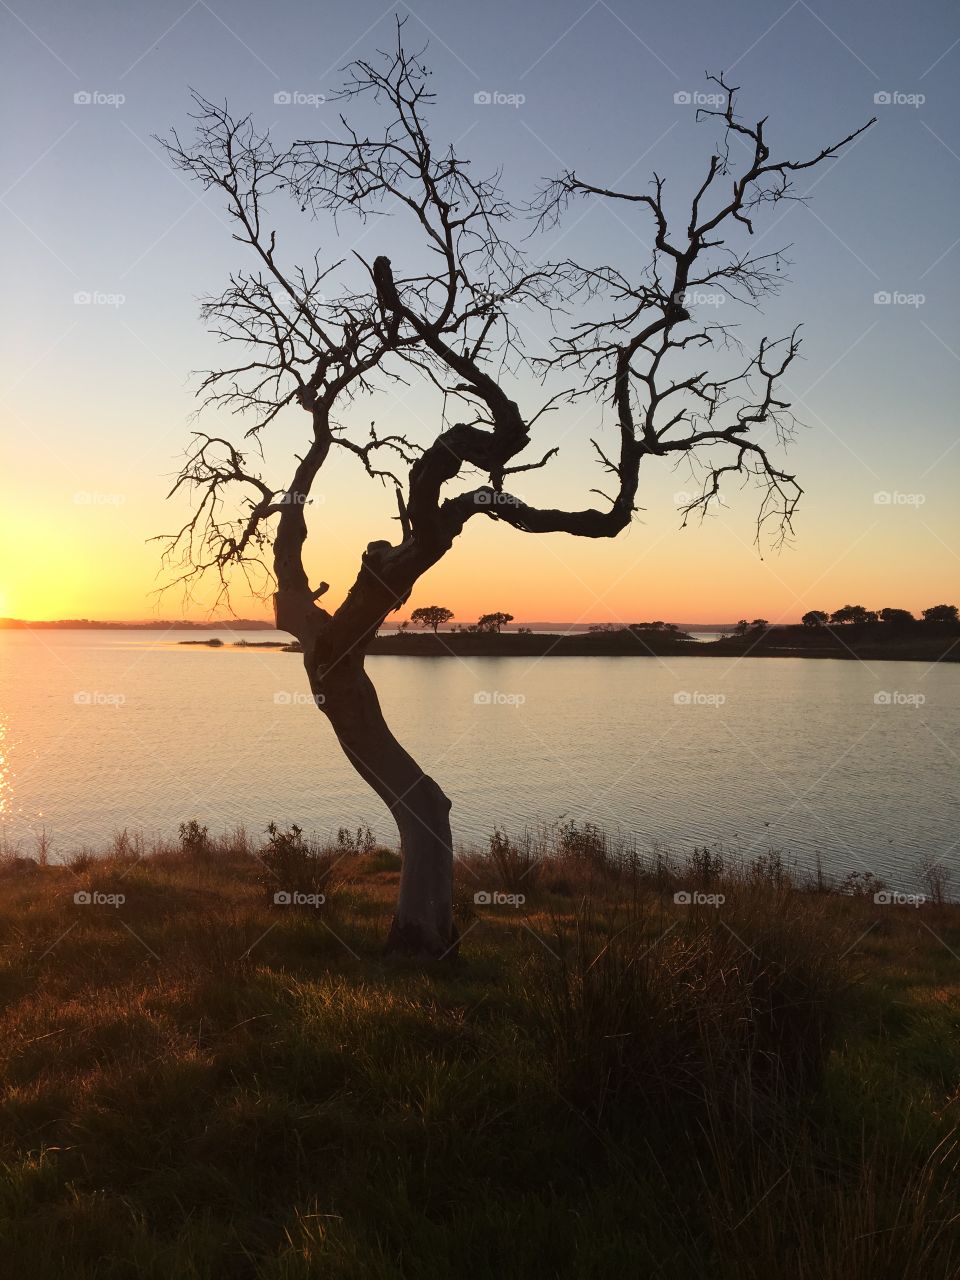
<point x="423" y="925"/>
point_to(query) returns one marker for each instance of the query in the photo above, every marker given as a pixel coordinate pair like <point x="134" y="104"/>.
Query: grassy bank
<point x="200" y="1081"/>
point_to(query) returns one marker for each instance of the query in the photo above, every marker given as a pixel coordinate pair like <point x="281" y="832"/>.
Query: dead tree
<point x="313" y="338"/>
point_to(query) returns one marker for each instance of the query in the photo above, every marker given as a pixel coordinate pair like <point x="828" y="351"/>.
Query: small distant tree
<point x="742" y="627"/>
<point x="815" y="618"/>
<point x="431" y="615"/>
<point x="493" y="621"/>
<point x="759" y="624"/>
<point x="896" y="617"/>
<point x="941" y="613"/>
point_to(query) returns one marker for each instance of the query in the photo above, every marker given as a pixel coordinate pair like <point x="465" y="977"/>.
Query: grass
<point x="198" y="1081"/>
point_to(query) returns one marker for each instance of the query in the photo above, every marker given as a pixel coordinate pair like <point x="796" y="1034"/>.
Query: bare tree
<point x="448" y="319"/>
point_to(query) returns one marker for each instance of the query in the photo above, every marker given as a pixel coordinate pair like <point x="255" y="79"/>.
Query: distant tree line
<point x="853" y="614"/>
<point x="662" y="628"/>
<point x="435" y="616"/>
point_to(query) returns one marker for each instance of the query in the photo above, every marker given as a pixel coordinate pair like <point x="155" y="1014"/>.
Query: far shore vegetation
<point x="851" y="631"/>
<point x="665" y="1065"/>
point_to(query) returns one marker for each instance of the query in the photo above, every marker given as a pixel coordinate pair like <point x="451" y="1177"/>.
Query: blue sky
<point x="97" y="396"/>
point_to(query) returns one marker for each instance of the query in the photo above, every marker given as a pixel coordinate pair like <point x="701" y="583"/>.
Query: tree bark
<point x="423" y="925"/>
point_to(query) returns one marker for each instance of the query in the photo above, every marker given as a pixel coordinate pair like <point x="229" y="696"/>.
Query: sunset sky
<point x="98" y="397"/>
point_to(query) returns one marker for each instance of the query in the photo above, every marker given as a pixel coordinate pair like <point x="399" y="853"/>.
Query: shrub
<point x="359" y="841"/>
<point x="194" y="839"/>
<point x="291" y="863"/>
<point x="517" y="864"/>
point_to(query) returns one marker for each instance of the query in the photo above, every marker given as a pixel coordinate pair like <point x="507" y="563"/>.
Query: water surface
<point x="101" y="731"/>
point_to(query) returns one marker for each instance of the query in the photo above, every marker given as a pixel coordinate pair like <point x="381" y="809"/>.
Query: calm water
<point x="101" y="731"/>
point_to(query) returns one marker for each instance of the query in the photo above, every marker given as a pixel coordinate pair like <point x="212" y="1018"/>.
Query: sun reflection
<point x="5" y="774"/>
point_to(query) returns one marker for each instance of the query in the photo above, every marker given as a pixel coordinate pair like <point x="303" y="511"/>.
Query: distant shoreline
<point x="254" y="624"/>
<point x="853" y="643"/>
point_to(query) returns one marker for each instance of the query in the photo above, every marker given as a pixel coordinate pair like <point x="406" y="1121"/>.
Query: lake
<point x="101" y="731"/>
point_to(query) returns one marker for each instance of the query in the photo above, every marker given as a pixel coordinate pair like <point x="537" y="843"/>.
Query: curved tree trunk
<point x="423" y="925"/>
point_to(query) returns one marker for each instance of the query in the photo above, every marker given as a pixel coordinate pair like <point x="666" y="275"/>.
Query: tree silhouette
<point x="896" y="617"/>
<point x="940" y="613"/>
<point x="493" y="621"/>
<point x="313" y="337"/>
<point x="815" y="618"/>
<point x="431" y="615"/>
<point x="851" y="614"/>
